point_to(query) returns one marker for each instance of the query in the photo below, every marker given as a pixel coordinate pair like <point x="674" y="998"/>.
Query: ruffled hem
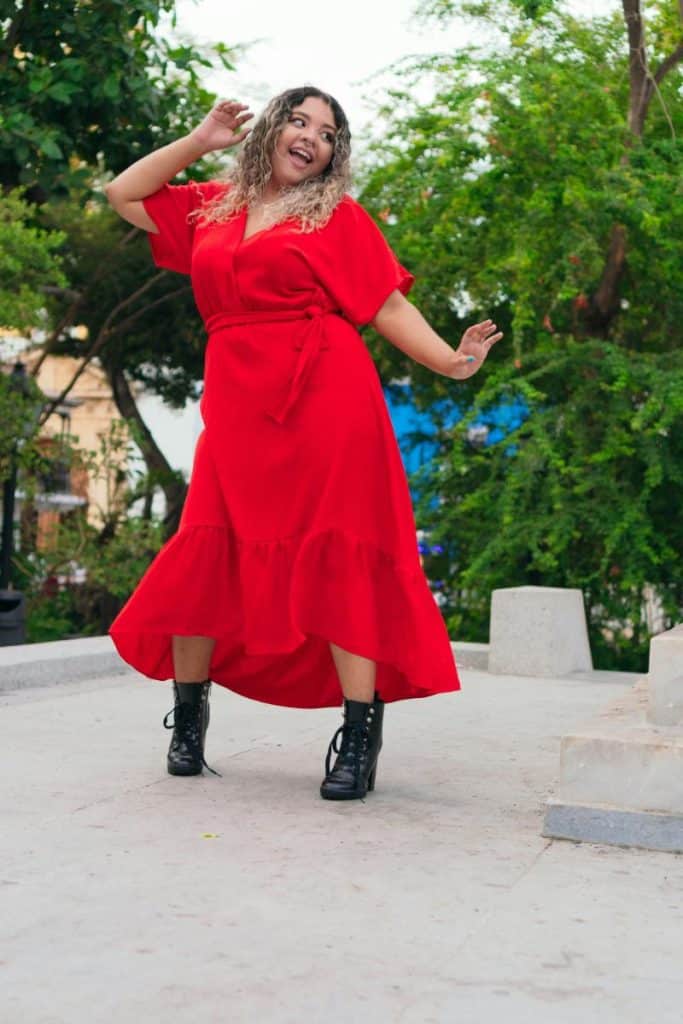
<point x="274" y="606"/>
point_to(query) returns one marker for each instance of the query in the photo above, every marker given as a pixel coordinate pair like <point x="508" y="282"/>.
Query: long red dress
<point x="298" y="527"/>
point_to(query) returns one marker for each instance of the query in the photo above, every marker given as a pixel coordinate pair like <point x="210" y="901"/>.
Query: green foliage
<point x="579" y="495"/>
<point x="503" y="194"/>
<point x="131" y="87"/>
<point x="28" y="262"/>
<point x="82" y="80"/>
<point x="52" y="617"/>
<point x="19" y="411"/>
<point x="80" y="581"/>
<point x="59" y="604"/>
<point x="86" y="90"/>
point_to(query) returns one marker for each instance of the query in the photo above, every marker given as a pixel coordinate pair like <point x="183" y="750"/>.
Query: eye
<point x="297" y="120"/>
<point x="329" y="137"/>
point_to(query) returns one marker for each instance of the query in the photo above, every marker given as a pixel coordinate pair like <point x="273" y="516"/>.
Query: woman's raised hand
<point x="474" y="347"/>
<point x="222" y="126"/>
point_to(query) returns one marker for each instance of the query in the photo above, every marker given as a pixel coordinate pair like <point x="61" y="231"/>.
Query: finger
<point x="228" y="107"/>
<point x="480" y="330"/>
<point x="493" y="339"/>
<point x="243" y="119"/>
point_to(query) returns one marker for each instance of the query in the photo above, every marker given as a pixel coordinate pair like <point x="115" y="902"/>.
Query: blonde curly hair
<point x="313" y="201"/>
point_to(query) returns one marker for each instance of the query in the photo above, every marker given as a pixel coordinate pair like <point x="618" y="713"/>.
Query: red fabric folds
<point x="274" y="607"/>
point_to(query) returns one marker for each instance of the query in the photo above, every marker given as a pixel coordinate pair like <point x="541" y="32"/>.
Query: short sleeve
<point x="355" y="264"/>
<point x="170" y="209"/>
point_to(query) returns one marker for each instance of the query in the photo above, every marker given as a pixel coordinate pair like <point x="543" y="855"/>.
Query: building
<point x="86" y="417"/>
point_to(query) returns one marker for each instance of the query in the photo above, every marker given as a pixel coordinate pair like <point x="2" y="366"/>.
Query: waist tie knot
<point x="309" y="340"/>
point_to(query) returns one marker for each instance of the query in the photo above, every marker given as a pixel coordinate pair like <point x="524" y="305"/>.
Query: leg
<point x="356" y="674"/>
<point x="191" y="658"/>
<point x="354" y="770"/>
<point x="190" y="714"/>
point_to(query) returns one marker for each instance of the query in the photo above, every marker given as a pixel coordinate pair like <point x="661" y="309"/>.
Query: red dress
<point x="298" y="527"/>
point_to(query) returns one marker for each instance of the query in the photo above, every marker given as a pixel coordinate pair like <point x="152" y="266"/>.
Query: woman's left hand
<point x="474" y="347"/>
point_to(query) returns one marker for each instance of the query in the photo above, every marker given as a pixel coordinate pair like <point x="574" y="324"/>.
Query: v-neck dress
<point x="298" y="527"/>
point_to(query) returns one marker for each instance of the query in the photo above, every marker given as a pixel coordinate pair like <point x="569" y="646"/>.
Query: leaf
<point x="110" y="87"/>
<point x="51" y="149"/>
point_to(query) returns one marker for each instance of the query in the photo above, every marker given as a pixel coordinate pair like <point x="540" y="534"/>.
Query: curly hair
<point x="312" y="202"/>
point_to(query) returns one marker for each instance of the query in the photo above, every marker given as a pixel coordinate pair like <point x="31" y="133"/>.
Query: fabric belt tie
<point x="310" y="339"/>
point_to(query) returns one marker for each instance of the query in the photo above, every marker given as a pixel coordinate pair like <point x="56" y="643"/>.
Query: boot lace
<point x="349" y="741"/>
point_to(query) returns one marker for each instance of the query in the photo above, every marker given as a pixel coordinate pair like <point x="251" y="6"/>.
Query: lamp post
<point x="12" y="602"/>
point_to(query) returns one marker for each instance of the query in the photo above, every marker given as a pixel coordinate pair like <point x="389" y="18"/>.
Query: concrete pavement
<point x="128" y="895"/>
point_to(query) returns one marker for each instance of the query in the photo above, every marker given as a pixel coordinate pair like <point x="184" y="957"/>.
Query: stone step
<point x="621" y="779"/>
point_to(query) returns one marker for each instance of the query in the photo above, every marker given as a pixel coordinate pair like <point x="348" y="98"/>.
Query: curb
<point x="60" y="661"/>
<point x="70" y="661"/>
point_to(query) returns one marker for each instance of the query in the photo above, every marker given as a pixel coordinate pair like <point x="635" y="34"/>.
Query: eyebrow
<point x="302" y="113"/>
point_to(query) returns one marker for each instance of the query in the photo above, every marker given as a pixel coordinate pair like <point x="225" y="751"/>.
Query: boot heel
<point x="371" y="779"/>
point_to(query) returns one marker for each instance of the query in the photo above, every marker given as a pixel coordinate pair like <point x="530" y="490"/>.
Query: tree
<point x="540" y="186"/>
<point x="86" y="89"/>
<point x="28" y="262"/>
<point x="142" y="326"/>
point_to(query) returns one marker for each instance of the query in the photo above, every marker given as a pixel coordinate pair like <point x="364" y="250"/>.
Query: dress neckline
<point x="289" y="222"/>
<point x="244" y="238"/>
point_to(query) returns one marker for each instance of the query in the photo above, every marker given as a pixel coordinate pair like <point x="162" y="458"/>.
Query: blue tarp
<point x="408" y="420"/>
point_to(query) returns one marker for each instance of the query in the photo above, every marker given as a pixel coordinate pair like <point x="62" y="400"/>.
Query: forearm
<point x="148" y="174"/>
<point x="404" y="326"/>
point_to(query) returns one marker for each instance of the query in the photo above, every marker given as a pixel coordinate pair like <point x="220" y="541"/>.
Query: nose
<point x="308" y="134"/>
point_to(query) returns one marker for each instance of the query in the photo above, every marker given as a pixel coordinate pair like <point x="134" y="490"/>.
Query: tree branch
<point x="674" y="58"/>
<point x="145" y="309"/>
<point x="104" y="335"/>
<point x="50" y="344"/>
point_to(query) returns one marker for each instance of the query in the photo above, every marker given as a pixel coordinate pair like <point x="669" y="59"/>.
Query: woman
<point x="294" y="577"/>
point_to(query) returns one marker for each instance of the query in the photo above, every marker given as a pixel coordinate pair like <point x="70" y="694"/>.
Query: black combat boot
<point x="190" y="722"/>
<point x="355" y="768"/>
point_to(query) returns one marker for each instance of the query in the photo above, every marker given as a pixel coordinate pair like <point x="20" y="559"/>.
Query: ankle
<point x="190" y="693"/>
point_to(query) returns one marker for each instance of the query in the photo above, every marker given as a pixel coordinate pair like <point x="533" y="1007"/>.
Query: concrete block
<point x="614" y="827"/>
<point x="60" y="661"/>
<point x="621" y="780"/>
<point x="468" y="655"/>
<point x="665" y="678"/>
<point x="538" y="631"/>
<point x="621" y="760"/>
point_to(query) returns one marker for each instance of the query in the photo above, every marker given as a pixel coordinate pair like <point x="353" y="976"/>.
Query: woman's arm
<point x="404" y="326"/>
<point x="221" y="128"/>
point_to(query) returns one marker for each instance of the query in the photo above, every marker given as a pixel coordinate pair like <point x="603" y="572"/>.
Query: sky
<point x="344" y="48"/>
<point x="337" y="46"/>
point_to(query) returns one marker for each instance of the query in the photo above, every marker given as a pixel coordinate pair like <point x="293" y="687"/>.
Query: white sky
<point x="337" y="46"/>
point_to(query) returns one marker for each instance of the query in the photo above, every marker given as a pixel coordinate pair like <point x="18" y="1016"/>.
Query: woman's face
<point x="305" y="145"/>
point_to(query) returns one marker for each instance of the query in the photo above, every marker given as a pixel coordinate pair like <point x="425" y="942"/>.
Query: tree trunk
<point x="604" y="304"/>
<point x="170" y="481"/>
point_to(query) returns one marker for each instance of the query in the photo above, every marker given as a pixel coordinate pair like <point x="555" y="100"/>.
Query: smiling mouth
<point x="301" y="156"/>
